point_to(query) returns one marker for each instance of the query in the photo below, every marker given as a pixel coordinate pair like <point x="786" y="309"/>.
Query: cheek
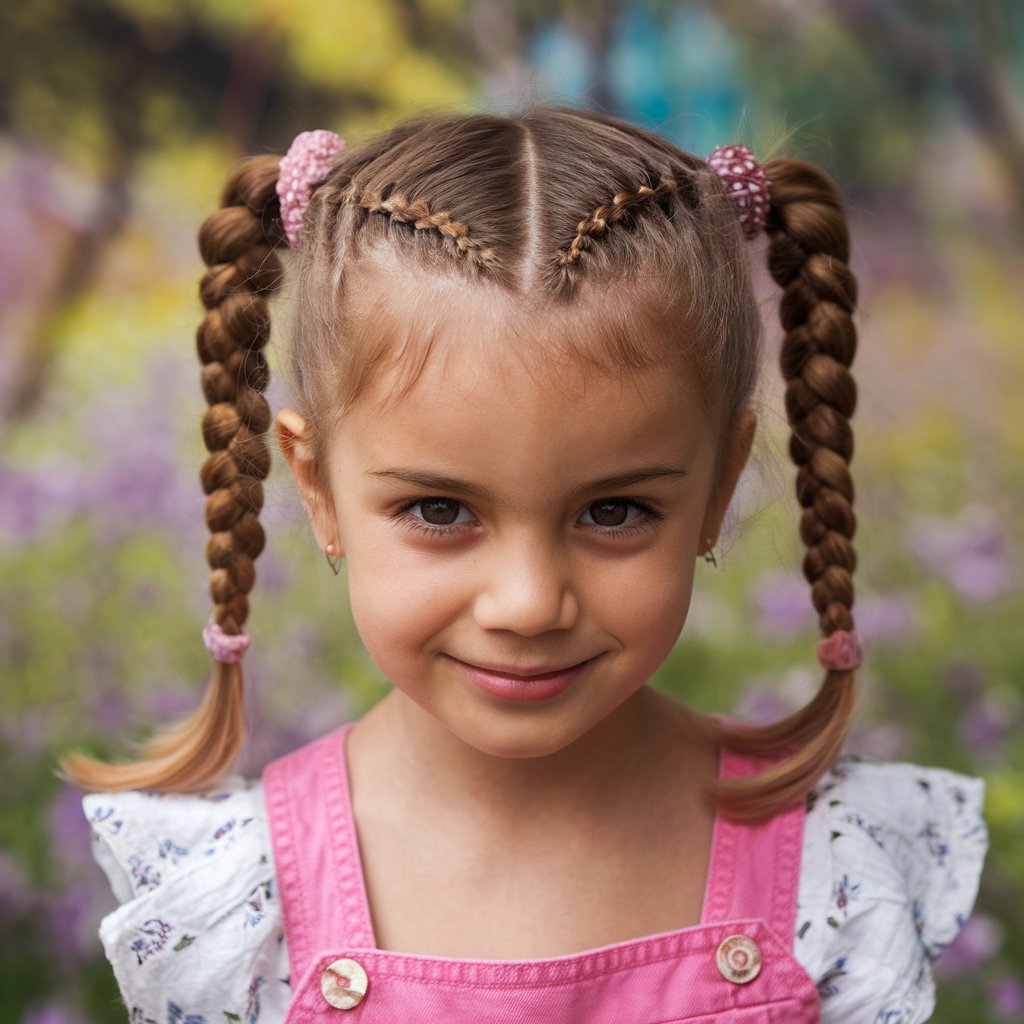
<point x="645" y="606"/>
<point x="397" y="604"/>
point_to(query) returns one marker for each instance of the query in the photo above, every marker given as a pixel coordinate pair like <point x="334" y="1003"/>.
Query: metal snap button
<point x="739" y="959"/>
<point x="344" y="984"/>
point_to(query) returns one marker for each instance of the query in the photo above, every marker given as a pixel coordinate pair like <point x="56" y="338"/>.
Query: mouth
<point x="522" y="682"/>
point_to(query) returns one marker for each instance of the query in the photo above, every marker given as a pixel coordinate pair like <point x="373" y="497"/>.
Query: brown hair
<point x="570" y="211"/>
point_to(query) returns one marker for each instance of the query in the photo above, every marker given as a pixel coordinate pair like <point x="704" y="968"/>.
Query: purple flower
<point x="141" y="481"/>
<point x="761" y="705"/>
<point x="782" y="604"/>
<point x="987" y="721"/>
<point x="72" y="917"/>
<point x="170" y="703"/>
<point x="969" y="552"/>
<point x="965" y="679"/>
<point x="53" y="1013"/>
<point x="16" y="897"/>
<point x="68" y="829"/>
<point x="885" y="741"/>
<point x="1006" y="995"/>
<point x="27" y="734"/>
<point x="982" y="732"/>
<point x="890" y="618"/>
<point x="108" y="706"/>
<point x="34" y="503"/>
<point x="979" y="940"/>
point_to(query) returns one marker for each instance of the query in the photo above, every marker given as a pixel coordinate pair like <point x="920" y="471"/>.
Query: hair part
<point x="627" y="247"/>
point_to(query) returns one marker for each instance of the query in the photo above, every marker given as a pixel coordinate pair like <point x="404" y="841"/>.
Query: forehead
<point x="480" y="384"/>
<point x="407" y="327"/>
<point x="526" y="435"/>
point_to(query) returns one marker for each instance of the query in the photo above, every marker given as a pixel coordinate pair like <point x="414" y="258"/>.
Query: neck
<point x="646" y="742"/>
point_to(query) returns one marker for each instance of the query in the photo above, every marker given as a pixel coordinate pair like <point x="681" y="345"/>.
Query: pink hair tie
<point x="746" y="183"/>
<point x="309" y="158"/>
<point x="225" y="647"/>
<point x="841" y="651"/>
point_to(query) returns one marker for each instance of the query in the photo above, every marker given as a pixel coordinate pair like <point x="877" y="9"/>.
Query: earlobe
<point x="293" y="438"/>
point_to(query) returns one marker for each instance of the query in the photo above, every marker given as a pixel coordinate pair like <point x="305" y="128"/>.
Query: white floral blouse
<point x="891" y="862"/>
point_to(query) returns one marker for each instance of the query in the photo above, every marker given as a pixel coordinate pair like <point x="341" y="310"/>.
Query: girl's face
<point x="520" y="539"/>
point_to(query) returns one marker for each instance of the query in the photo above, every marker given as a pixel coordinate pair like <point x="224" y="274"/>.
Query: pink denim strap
<point x="316" y="857"/>
<point x="755" y="869"/>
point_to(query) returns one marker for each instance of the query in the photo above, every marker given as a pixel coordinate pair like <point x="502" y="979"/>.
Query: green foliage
<point x="102" y="579"/>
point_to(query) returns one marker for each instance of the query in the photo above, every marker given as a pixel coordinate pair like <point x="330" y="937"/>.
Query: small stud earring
<point x="709" y="555"/>
<point x="333" y="560"/>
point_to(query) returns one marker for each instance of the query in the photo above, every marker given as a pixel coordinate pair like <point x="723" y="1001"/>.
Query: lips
<point x="522" y="683"/>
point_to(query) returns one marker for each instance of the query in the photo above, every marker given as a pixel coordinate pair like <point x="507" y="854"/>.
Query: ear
<point x="733" y="458"/>
<point x="294" y="440"/>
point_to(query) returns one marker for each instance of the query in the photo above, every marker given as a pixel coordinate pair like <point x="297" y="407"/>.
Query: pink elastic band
<point x="747" y="184"/>
<point x="225" y="647"/>
<point x="841" y="651"/>
<point x="307" y="161"/>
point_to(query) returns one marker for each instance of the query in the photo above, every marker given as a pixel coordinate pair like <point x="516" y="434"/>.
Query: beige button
<point x="344" y="984"/>
<point x="739" y="959"/>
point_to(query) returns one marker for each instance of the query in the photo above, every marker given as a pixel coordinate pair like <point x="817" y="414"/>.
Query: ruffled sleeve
<point x="892" y="860"/>
<point x="199" y="935"/>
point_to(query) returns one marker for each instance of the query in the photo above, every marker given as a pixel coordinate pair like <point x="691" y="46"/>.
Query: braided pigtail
<point x="808" y="257"/>
<point x="237" y="244"/>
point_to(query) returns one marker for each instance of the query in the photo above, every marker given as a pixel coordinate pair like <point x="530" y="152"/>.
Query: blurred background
<point x="118" y="121"/>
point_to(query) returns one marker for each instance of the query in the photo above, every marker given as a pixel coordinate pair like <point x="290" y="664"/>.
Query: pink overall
<point x="735" y="967"/>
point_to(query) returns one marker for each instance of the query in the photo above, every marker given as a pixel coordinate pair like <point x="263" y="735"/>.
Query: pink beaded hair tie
<point x="225" y="647"/>
<point x="841" y="651"/>
<point x="746" y="183"/>
<point x="308" y="160"/>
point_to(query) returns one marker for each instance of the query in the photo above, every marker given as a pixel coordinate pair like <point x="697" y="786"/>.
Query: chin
<point x="525" y="739"/>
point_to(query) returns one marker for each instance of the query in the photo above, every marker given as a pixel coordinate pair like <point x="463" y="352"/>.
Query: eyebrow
<point x="439" y="484"/>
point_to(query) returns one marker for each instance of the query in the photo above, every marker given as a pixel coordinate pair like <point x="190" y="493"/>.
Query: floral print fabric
<point x="891" y="860"/>
<point x="199" y="936"/>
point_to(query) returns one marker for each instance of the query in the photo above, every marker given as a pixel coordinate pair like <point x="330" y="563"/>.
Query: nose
<point x="528" y="590"/>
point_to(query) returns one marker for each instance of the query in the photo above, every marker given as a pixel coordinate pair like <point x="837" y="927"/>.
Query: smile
<point x="521" y="684"/>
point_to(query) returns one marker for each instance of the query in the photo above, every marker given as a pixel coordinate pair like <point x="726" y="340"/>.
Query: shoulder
<point x="892" y="860"/>
<point x="199" y="932"/>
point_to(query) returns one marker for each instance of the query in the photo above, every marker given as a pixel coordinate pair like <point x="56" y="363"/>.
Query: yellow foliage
<point x="989" y="283"/>
<point x="934" y="437"/>
<point x="1004" y="799"/>
<point x="360" y="46"/>
<point x="908" y="319"/>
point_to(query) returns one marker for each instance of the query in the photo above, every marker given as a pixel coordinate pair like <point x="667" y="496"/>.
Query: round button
<point x="344" y="984"/>
<point x="739" y="959"/>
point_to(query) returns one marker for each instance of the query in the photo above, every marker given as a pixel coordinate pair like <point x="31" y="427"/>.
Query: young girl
<point x="524" y="352"/>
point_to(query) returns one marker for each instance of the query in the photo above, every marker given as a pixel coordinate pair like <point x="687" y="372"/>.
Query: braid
<point x="237" y="244"/>
<point x="807" y="257"/>
<point x="421" y="218"/>
<point x="621" y="208"/>
<point x="230" y="340"/>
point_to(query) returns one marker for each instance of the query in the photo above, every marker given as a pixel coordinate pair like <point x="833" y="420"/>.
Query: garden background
<point x="118" y="120"/>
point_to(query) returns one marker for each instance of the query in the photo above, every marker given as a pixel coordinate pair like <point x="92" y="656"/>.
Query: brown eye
<point x="439" y="511"/>
<point x="610" y="512"/>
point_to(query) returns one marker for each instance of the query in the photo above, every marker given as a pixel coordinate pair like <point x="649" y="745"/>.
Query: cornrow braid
<point x="422" y="219"/>
<point x="237" y="244"/>
<point x="621" y="208"/>
<point x="808" y="258"/>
